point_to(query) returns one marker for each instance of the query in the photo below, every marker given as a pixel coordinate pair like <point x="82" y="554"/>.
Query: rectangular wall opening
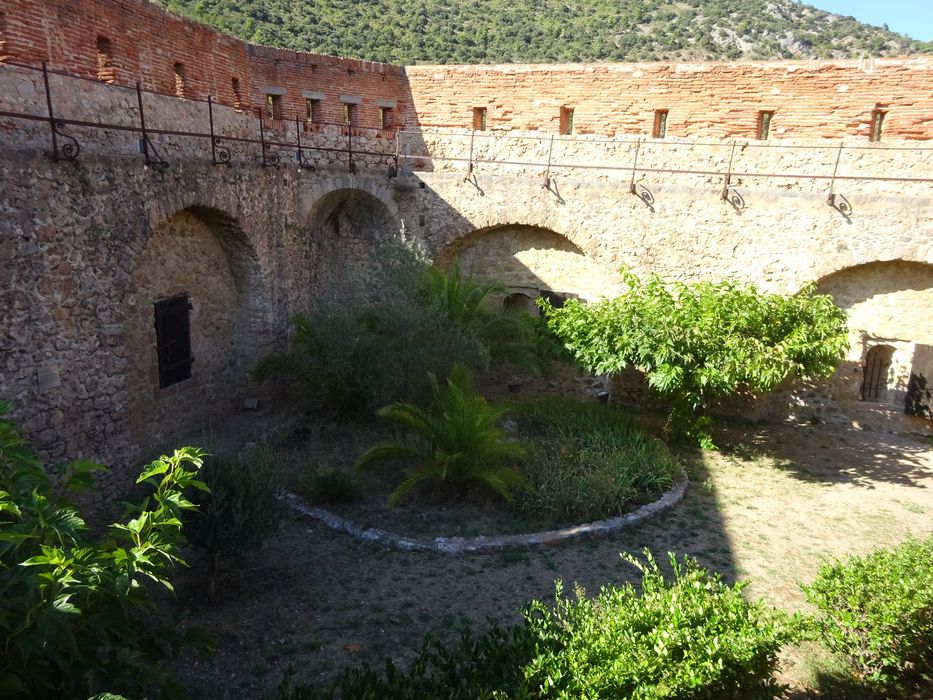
<point x="566" y="120"/>
<point x="179" y="69"/>
<point x="312" y="110"/>
<point x="274" y="106"/>
<point x="237" y="95"/>
<point x="173" y="339"/>
<point x="877" y="120"/>
<point x="659" y="131"/>
<point x="349" y="114"/>
<point x="764" y="124"/>
<point x="479" y="119"/>
<point x="105" y="71"/>
<point x="385" y="118"/>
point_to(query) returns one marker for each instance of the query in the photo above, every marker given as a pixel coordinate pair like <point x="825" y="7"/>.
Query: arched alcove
<point x="346" y="228"/>
<point x="201" y="265"/>
<point x="530" y="260"/>
<point x="890" y="310"/>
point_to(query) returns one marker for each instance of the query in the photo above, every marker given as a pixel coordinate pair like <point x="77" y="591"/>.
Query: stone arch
<point x="890" y="305"/>
<point x="202" y="253"/>
<point x="530" y="260"/>
<point x="346" y="228"/>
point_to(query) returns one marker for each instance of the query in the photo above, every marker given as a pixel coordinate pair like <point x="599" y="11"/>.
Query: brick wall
<point x="831" y="99"/>
<point x="145" y="43"/>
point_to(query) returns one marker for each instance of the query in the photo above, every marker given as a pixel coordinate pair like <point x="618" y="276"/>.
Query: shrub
<point x="328" y="485"/>
<point x="240" y="510"/>
<point x="692" y="637"/>
<point x="588" y="460"/>
<point x="364" y="350"/>
<point x="877" y="611"/>
<point x="454" y="440"/>
<point x="73" y="614"/>
<point x="700" y="342"/>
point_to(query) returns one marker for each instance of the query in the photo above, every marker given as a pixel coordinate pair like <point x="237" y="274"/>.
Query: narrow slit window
<point x="764" y="124"/>
<point x="877" y="119"/>
<point x="2" y="35"/>
<point x="312" y="110"/>
<point x="173" y="339"/>
<point x="385" y="117"/>
<point x="660" y="124"/>
<point x="104" y="60"/>
<point x="349" y="114"/>
<point x="179" y="79"/>
<point x="237" y="95"/>
<point x="566" y="120"/>
<point x="479" y="119"/>
<point x="274" y="106"/>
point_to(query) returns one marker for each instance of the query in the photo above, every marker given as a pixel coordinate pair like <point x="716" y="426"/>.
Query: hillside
<point x="501" y="31"/>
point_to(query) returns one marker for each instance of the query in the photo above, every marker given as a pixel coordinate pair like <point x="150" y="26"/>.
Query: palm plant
<point x="455" y="439"/>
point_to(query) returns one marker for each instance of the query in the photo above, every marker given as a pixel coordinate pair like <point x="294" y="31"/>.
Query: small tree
<point x="704" y="341"/>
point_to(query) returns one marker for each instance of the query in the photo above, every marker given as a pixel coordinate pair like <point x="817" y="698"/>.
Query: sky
<point x="911" y="17"/>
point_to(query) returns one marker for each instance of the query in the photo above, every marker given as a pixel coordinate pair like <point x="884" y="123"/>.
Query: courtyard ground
<point x="768" y="507"/>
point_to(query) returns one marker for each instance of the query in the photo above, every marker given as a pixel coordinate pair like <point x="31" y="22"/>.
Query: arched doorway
<point x="877" y="366"/>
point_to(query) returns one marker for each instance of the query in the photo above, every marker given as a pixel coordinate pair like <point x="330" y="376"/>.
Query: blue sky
<point x="911" y="17"/>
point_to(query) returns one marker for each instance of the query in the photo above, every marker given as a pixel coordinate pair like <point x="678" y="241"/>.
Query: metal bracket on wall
<point x="153" y="159"/>
<point x="220" y="154"/>
<point x="270" y="159"/>
<point x="639" y="190"/>
<point x="729" y="192"/>
<point x="69" y="151"/>
<point x="834" y="199"/>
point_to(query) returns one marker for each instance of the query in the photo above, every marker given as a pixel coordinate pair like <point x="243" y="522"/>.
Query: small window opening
<point x="479" y="119"/>
<point x="877" y="118"/>
<point x="566" y="120"/>
<point x="660" y="124"/>
<point x="274" y="106"/>
<point x="179" y="79"/>
<point x="312" y="110"/>
<point x="173" y="339"/>
<point x="764" y="124"/>
<point x="875" y="378"/>
<point x="385" y="118"/>
<point x="349" y="114"/>
<point x="237" y="95"/>
<point x="104" y="60"/>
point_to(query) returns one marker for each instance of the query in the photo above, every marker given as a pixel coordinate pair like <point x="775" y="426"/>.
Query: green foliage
<point x="73" y="610"/>
<point x="329" y="485"/>
<point x="588" y="460"/>
<point x="701" y="342"/>
<point x="357" y="352"/>
<point x="454" y="440"/>
<point x="877" y="611"/>
<point x="497" y="31"/>
<point x="483" y="666"/>
<point x="690" y="637"/>
<point x="240" y="510"/>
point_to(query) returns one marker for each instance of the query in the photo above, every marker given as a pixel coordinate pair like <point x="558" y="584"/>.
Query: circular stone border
<point x="492" y="543"/>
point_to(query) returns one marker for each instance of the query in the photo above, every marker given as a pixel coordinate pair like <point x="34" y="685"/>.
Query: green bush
<point x="76" y="617"/>
<point x="454" y="440"/>
<point x="329" y="485"/>
<point x="588" y="460"/>
<point x="877" y="611"/>
<point x="361" y="350"/>
<point x="691" y="637"/>
<point x="701" y="342"/>
<point x="239" y="512"/>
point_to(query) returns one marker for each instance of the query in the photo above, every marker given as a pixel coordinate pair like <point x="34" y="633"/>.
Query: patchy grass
<point x="769" y="507"/>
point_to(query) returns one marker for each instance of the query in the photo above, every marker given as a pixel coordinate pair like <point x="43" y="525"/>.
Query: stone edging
<point x="493" y="543"/>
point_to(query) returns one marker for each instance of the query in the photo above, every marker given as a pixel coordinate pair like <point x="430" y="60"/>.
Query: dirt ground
<point x="767" y="508"/>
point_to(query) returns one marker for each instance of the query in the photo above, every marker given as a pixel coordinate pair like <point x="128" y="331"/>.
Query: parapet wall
<point x="144" y="44"/>
<point x="815" y="99"/>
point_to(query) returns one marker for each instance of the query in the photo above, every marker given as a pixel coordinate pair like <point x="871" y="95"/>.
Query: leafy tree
<point x="455" y="439"/>
<point x="74" y="612"/>
<point x="704" y="341"/>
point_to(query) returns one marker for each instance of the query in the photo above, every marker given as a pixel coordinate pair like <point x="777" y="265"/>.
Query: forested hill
<point x="548" y="31"/>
